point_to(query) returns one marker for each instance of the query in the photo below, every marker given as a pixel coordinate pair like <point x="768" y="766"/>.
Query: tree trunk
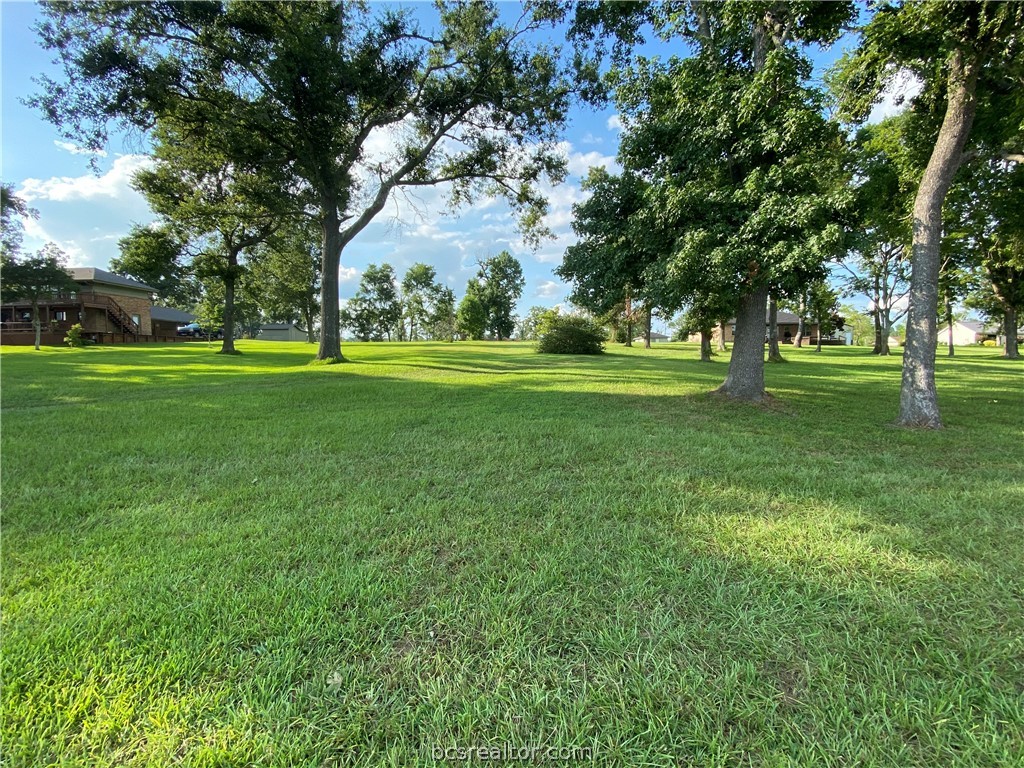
<point x="817" y="348"/>
<point x="705" y="346"/>
<point x="800" y="323"/>
<point x="1010" y="350"/>
<point x="227" y="346"/>
<point x="884" y="329"/>
<point x="919" y="405"/>
<point x="647" y="328"/>
<point x="36" y="325"/>
<point x="876" y="317"/>
<point x="774" y="355"/>
<point x="307" y="313"/>
<point x="949" y="327"/>
<point x="721" y="336"/>
<point x="629" y="321"/>
<point x="330" y="330"/>
<point x="745" y="380"/>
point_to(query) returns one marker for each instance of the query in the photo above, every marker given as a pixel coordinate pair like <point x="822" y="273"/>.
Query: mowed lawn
<point x="220" y="561"/>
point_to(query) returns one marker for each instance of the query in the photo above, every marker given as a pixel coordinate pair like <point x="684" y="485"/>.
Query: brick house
<point x="787" y="323"/>
<point x="110" y="308"/>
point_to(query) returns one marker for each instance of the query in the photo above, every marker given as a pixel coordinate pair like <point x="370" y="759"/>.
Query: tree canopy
<point x="475" y="105"/>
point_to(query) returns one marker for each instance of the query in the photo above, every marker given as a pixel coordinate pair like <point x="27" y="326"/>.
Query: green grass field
<point x="220" y="561"/>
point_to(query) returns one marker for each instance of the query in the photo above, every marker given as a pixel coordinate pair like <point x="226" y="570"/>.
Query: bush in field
<point x="570" y="335"/>
<point x="74" y="336"/>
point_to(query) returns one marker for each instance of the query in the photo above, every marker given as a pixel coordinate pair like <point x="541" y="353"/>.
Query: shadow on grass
<point x="375" y="558"/>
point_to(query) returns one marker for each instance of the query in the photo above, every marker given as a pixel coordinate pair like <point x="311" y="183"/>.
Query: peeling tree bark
<point x="919" y="405"/>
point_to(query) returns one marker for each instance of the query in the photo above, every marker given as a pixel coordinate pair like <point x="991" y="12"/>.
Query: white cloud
<point x="897" y="96"/>
<point x="36" y="237"/>
<point x="590" y="138"/>
<point x="614" y="123"/>
<point x="74" y="149"/>
<point x="348" y="274"/>
<point x="580" y="164"/>
<point x="549" y="289"/>
<point x="114" y="184"/>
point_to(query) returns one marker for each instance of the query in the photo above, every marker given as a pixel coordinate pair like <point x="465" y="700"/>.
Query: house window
<point x="60" y="315"/>
<point x="136" y="319"/>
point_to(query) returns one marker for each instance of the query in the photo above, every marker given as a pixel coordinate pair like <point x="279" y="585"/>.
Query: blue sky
<point x="85" y="212"/>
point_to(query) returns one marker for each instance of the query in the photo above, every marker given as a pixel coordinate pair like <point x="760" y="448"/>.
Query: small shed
<point x="282" y="332"/>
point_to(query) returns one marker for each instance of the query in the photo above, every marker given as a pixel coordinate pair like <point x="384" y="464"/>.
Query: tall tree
<point x="420" y="292"/>
<point x="471" y="320"/>
<point x="501" y="279"/>
<point x="963" y="53"/>
<point x="612" y="266"/>
<point x="745" y="172"/>
<point x="34" y="278"/>
<point x="442" y="320"/>
<point x="207" y="194"/>
<point x="476" y="105"/>
<point x="376" y="306"/>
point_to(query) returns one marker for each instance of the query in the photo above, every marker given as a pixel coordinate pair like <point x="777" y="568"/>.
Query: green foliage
<point x="284" y="274"/>
<point x="616" y="261"/>
<point x="156" y="256"/>
<point x="73" y="338"/>
<point x="299" y="89"/>
<point x="488" y="308"/>
<point x="12" y="229"/>
<point x="860" y="325"/>
<point x="34" y="277"/>
<point x="536" y="323"/>
<point x="501" y="284"/>
<point x="471" y="320"/>
<point x="572" y="335"/>
<point x="375" y="310"/>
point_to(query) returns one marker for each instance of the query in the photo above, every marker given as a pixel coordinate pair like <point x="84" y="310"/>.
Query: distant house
<point x="787" y="324"/>
<point x="967" y="332"/>
<point x="167" y="320"/>
<point x="655" y="337"/>
<point x="282" y="332"/>
<point x="110" y="308"/>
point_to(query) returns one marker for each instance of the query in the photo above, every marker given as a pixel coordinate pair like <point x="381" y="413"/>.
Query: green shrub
<point x="571" y="335"/>
<point x="988" y="343"/>
<point x="74" y="336"/>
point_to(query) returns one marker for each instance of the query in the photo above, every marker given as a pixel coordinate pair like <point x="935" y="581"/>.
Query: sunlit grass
<point x="215" y="560"/>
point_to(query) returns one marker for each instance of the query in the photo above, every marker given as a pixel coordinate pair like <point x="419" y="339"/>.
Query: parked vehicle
<point x="196" y="331"/>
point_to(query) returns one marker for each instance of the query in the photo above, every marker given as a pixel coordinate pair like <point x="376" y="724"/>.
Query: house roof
<point x="94" y="275"/>
<point x="781" y="318"/>
<point x="280" y="327"/>
<point x="171" y="315"/>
